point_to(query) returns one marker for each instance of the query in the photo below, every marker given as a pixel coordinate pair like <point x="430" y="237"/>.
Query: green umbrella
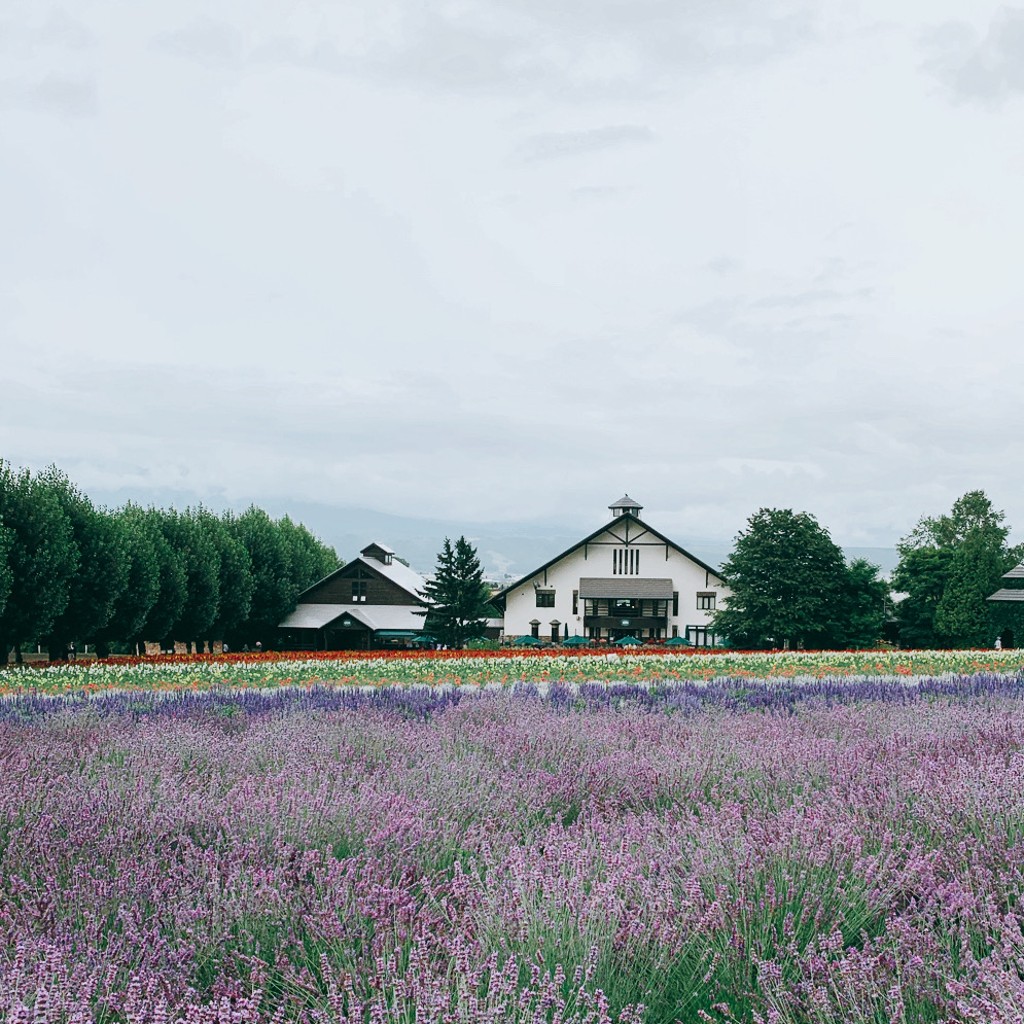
<point x="527" y="641"/>
<point x="576" y="641"/>
<point x="629" y="641"/>
<point x="677" y="641"/>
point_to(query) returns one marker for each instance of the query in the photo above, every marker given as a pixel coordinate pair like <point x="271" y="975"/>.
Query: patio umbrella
<point x="527" y="641"/>
<point x="576" y="641"/>
<point x="677" y="641"/>
<point x="629" y="641"/>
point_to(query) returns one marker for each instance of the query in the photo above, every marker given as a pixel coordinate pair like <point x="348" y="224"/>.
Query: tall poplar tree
<point x="6" y="576"/>
<point x="172" y="589"/>
<point x="274" y="593"/>
<point x="102" y="572"/>
<point x="457" y="595"/>
<point x="42" y="558"/>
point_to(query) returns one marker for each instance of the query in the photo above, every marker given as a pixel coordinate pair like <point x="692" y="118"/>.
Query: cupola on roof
<point x="625" y="504"/>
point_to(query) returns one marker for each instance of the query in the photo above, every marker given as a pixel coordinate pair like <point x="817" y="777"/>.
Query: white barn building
<point x="625" y="579"/>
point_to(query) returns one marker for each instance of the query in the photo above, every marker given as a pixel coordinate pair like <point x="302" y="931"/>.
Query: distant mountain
<point x="507" y="550"/>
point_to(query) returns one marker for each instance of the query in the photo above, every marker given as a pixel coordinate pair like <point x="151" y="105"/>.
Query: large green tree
<point x="6" y="576"/>
<point x="142" y="585"/>
<point x="457" y="595"/>
<point x="311" y="559"/>
<point x="42" y="558"/>
<point x="948" y="566"/>
<point x="236" y="580"/>
<point x="920" y="577"/>
<point x="172" y="591"/>
<point x="790" y="586"/>
<point x="102" y="572"/>
<point x="274" y="592"/>
<point x="200" y="559"/>
<point x="865" y="605"/>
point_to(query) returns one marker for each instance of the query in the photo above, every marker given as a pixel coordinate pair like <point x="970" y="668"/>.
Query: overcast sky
<point x="485" y="260"/>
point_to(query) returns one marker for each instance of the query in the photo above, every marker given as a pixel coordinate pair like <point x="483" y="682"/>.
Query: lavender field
<point x="835" y="851"/>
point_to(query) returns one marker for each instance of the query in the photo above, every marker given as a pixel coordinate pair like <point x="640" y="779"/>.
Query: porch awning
<point x="623" y="586"/>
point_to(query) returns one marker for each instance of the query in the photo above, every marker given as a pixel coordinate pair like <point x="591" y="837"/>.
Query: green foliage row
<point x="791" y="585"/>
<point x="71" y="572"/>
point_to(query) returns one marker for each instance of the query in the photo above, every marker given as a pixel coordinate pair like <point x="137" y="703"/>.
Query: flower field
<point x="483" y="668"/>
<point x="225" y="842"/>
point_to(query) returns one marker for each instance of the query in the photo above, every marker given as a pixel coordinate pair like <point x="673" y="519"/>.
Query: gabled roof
<point x="1006" y="595"/>
<point x="401" y="575"/>
<point x="626" y="516"/>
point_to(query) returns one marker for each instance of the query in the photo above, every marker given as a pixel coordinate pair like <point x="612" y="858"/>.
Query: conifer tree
<point x="457" y="595"/>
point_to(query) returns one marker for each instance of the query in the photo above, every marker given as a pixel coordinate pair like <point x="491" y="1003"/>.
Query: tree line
<point x="792" y="586"/>
<point x="72" y="573"/>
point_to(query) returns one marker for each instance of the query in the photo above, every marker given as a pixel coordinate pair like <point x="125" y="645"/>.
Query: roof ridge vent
<point x="625" y="506"/>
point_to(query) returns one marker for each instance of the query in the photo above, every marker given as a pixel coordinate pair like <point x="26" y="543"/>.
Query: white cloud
<point x="985" y="66"/>
<point x="482" y="259"/>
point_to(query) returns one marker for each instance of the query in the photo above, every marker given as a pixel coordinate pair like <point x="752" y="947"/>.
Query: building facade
<point x="624" y="579"/>
<point x="374" y="601"/>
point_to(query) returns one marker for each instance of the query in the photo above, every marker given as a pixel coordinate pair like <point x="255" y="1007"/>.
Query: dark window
<point x="358" y="591"/>
<point x="575" y="602"/>
<point x="700" y="636"/>
<point x="535" y="629"/>
<point x="625" y="561"/>
<point x="706" y="602"/>
<point x="625" y="606"/>
<point x="675" y="602"/>
<point x="545" y="599"/>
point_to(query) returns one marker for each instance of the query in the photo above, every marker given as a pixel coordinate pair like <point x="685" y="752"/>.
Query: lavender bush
<point x="820" y="851"/>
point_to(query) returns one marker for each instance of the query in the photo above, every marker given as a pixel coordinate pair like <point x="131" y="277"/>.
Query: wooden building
<point x="372" y="602"/>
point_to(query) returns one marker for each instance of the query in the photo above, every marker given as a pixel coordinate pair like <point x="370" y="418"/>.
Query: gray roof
<point x="375" y="616"/>
<point x="313" y="616"/>
<point x="1015" y="574"/>
<point x="626" y="502"/>
<point x="401" y="575"/>
<point x="1007" y="595"/>
<point x="626" y="586"/>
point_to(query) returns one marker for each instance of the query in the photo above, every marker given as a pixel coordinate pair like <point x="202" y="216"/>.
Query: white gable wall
<point x="657" y="561"/>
